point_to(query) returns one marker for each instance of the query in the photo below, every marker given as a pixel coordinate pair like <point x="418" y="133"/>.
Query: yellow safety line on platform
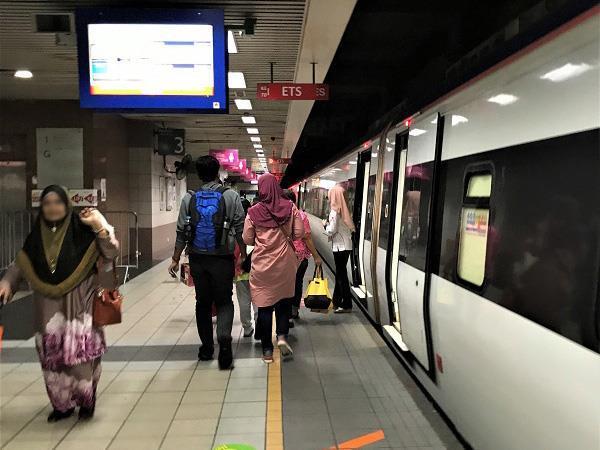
<point x="274" y="435"/>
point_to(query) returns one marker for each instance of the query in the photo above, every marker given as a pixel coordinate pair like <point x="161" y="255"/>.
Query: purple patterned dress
<point x="68" y="344"/>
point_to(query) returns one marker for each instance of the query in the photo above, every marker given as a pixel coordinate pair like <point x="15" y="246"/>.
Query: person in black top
<point x="212" y="270"/>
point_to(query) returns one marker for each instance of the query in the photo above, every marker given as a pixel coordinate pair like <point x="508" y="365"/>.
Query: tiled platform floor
<point x="342" y="383"/>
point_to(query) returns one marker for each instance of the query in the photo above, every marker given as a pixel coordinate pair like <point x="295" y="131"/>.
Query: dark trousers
<point x="299" y="283"/>
<point x="341" y="294"/>
<point x="213" y="280"/>
<point x="265" y="322"/>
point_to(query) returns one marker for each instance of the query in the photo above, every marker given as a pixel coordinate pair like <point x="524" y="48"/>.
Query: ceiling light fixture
<point x="252" y="130"/>
<point x="257" y="145"/>
<point x="25" y="74"/>
<point x="248" y="120"/>
<point x="565" y="72"/>
<point x="417" y="132"/>
<point x="352" y="162"/>
<point x="503" y="99"/>
<point x="457" y="120"/>
<point x="255" y="139"/>
<point x="231" y="46"/>
<point x="236" y="80"/>
<point x="243" y="104"/>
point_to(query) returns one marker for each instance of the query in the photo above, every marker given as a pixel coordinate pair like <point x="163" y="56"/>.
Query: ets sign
<point x="292" y="91"/>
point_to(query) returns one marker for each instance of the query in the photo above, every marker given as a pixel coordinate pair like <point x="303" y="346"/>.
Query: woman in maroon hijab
<point x="271" y="226"/>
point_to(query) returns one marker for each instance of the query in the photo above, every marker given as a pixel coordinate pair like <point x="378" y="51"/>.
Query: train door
<point x="412" y="247"/>
<point x="370" y="163"/>
<point x="360" y="161"/>
<point x="389" y="230"/>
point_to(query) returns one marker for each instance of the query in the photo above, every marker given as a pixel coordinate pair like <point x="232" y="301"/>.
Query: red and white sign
<point x="83" y="197"/>
<point x="79" y="197"/>
<point x="280" y="160"/>
<point x="292" y="91"/>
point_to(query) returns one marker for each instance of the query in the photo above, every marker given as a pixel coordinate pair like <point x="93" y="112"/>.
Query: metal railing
<point x="127" y="233"/>
<point x="14" y="228"/>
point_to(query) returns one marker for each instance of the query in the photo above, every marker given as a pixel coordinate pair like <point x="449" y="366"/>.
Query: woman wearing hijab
<point x="271" y="227"/>
<point x="305" y="249"/>
<point x="58" y="260"/>
<point x="339" y="228"/>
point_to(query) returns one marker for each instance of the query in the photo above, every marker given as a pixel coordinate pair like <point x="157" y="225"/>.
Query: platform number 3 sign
<point x="169" y="141"/>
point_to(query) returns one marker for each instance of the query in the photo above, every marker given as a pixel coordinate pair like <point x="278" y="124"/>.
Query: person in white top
<point x="339" y="227"/>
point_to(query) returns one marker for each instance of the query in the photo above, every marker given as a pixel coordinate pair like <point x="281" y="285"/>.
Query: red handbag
<point x="108" y="300"/>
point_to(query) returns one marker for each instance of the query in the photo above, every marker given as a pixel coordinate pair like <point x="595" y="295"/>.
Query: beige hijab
<point x="337" y="202"/>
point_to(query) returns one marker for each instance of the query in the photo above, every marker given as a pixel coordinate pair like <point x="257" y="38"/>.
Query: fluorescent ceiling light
<point x="243" y="103"/>
<point x="231" y="47"/>
<point x="252" y="130"/>
<point x="257" y="145"/>
<point x="565" y="72"/>
<point x="503" y="99"/>
<point x="352" y="162"/>
<point x="416" y="132"/>
<point x="456" y="119"/>
<point x="255" y="139"/>
<point x="326" y="184"/>
<point x="23" y="74"/>
<point x="248" y="120"/>
<point x="236" y="80"/>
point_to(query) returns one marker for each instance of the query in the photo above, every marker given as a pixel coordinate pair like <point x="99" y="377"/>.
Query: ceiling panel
<point x="277" y="38"/>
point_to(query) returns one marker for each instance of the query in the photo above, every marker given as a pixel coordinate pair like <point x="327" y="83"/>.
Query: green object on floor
<point x="234" y="447"/>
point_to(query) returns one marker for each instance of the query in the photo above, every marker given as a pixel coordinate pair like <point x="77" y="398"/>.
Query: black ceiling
<point x="397" y="54"/>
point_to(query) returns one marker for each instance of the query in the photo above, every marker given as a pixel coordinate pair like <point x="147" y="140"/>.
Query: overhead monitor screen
<point x="147" y="65"/>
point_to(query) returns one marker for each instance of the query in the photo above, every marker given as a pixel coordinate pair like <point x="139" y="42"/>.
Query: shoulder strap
<point x="288" y="238"/>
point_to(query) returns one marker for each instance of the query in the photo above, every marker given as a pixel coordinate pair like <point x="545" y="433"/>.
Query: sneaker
<point x="57" y="415"/>
<point x="249" y="333"/>
<point x="205" y="354"/>
<point x="225" y="356"/>
<point x="267" y="356"/>
<point x="341" y="310"/>
<point x="284" y="347"/>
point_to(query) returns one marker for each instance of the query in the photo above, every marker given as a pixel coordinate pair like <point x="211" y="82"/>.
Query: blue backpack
<point x="208" y="220"/>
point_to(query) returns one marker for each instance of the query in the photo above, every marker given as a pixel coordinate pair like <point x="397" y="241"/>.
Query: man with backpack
<point x="210" y="221"/>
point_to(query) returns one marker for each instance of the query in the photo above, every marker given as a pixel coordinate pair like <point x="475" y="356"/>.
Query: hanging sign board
<point x="292" y="91"/>
<point x="228" y="158"/>
<point x="280" y="160"/>
<point x="169" y="141"/>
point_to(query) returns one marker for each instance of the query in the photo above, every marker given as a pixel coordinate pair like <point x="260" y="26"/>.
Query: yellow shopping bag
<point x="317" y="296"/>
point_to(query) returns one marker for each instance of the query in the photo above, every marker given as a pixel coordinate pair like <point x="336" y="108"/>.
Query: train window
<point x="415" y="214"/>
<point x="474" y="224"/>
<point x="479" y="186"/>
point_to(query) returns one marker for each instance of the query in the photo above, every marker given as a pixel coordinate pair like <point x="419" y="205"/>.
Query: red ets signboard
<point x="292" y="91"/>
